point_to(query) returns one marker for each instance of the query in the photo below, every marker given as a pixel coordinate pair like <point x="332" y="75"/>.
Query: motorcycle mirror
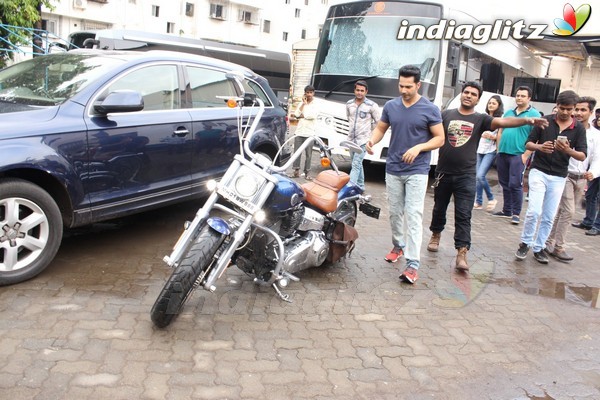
<point x="351" y="146"/>
<point x="249" y="99"/>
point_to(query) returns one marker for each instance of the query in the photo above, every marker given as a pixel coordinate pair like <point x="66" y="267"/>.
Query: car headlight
<point x="246" y="186"/>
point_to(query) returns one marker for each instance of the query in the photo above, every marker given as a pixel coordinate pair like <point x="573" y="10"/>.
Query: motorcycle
<point x="274" y="226"/>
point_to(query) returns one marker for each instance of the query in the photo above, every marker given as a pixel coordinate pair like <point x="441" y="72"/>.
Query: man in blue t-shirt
<point x="416" y="130"/>
<point x="512" y="156"/>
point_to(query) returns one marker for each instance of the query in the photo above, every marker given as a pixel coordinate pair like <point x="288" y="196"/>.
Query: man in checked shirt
<point x="362" y="115"/>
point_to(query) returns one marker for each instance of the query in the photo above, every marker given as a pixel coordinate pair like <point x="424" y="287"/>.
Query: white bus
<point x="360" y="40"/>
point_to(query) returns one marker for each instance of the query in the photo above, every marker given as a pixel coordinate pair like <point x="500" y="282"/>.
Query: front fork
<point x="190" y="231"/>
<point x="194" y="227"/>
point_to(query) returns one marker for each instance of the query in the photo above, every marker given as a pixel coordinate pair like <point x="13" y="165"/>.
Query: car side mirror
<point x="120" y="101"/>
<point x="284" y="105"/>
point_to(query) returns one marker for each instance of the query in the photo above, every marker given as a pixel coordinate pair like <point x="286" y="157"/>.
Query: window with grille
<point x="155" y="11"/>
<point x="217" y="11"/>
<point x="189" y="9"/>
<point x="247" y="16"/>
<point x="266" y="26"/>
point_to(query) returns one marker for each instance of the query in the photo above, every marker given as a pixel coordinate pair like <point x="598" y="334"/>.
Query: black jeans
<point x="462" y="187"/>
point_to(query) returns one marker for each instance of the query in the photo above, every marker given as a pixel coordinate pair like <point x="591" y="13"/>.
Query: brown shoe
<point x="434" y="242"/>
<point x="296" y="173"/>
<point x="461" y="259"/>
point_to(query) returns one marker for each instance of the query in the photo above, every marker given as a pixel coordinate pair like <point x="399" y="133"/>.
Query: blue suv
<point x="90" y="135"/>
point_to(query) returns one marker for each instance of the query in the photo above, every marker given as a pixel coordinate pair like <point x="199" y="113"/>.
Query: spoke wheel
<point x="180" y="284"/>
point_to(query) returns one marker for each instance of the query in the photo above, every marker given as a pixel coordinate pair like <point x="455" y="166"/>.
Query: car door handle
<point x="180" y="132"/>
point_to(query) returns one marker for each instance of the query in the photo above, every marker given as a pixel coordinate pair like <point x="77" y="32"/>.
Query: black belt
<point x="575" y="176"/>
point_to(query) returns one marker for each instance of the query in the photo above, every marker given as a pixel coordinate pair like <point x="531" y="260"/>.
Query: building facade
<point x="269" y="24"/>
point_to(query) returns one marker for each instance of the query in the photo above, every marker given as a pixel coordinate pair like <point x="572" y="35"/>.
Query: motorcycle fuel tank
<point x="287" y="194"/>
<point x="351" y="189"/>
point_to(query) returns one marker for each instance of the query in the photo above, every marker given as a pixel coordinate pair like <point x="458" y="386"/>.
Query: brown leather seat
<point x="322" y="191"/>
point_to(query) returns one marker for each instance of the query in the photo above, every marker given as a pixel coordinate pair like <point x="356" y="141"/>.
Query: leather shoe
<point x="561" y="255"/>
<point x="593" y="232"/>
<point x="581" y="226"/>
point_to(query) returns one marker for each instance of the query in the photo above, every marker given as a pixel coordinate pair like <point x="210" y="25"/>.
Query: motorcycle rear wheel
<point x="199" y="256"/>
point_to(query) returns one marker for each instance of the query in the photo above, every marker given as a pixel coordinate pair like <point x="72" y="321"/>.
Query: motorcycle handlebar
<point x="249" y="101"/>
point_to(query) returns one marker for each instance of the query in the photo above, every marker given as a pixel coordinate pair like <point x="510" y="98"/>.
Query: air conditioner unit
<point x="81" y="4"/>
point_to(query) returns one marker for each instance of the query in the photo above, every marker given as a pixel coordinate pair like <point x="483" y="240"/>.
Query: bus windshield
<point x="360" y="43"/>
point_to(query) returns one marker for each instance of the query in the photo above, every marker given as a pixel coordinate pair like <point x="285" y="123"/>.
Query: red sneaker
<point x="394" y="255"/>
<point x="410" y="275"/>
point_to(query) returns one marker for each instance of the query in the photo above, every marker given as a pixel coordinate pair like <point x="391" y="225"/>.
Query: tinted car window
<point x="206" y="85"/>
<point x="253" y="87"/>
<point x="158" y="84"/>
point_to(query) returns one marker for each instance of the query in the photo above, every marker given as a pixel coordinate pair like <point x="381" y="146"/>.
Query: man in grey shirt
<point x="362" y="115"/>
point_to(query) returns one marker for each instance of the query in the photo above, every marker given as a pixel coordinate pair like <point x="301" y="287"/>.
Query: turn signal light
<point x="325" y="162"/>
<point x="231" y="103"/>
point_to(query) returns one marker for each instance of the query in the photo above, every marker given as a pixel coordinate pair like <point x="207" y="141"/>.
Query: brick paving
<point x="507" y="330"/>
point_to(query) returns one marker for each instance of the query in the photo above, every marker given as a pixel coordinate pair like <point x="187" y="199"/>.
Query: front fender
<point x="56" y="157"/>
<point x="219" y="225"/>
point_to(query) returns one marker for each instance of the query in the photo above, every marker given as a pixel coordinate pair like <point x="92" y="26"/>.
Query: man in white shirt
<point x="306" y="113"/>
<point x="580" y="172"/>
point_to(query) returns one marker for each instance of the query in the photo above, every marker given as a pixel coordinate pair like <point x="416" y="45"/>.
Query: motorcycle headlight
<point x="246" y="186"/>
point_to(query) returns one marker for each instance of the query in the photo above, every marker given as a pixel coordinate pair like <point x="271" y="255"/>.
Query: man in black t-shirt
<point x="455" y="172"/>
<point x="564" y="139"/>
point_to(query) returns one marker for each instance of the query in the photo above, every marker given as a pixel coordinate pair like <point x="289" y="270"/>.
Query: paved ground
<point x="508" y="330"/>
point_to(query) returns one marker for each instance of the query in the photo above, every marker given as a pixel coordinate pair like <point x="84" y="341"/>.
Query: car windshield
<point x="52" y="79"/>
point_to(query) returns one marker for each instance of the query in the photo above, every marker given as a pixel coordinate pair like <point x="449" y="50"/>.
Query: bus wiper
<point x="339" y="85"/>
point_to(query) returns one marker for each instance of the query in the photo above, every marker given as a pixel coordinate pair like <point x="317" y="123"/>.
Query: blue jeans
<point x="484" y="163"/>
<point x="545" y="192"/>
<point x="357" y="173"/>
<point x="406" y="199"/>
<point x="510" y="176"/>
<point x="592" y="217"/>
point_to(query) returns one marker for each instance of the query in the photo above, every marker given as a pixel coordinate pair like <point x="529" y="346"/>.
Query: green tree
<point x="22" y="13"/>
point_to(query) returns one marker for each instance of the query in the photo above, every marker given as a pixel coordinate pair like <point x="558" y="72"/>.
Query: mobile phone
<point x="562" y="138"/>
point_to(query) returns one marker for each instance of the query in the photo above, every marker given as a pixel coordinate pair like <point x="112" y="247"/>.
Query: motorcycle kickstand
<point x="282" y="296"/>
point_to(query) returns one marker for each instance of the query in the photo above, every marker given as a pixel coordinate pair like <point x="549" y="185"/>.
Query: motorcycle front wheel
<point x="198" y="258"/>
